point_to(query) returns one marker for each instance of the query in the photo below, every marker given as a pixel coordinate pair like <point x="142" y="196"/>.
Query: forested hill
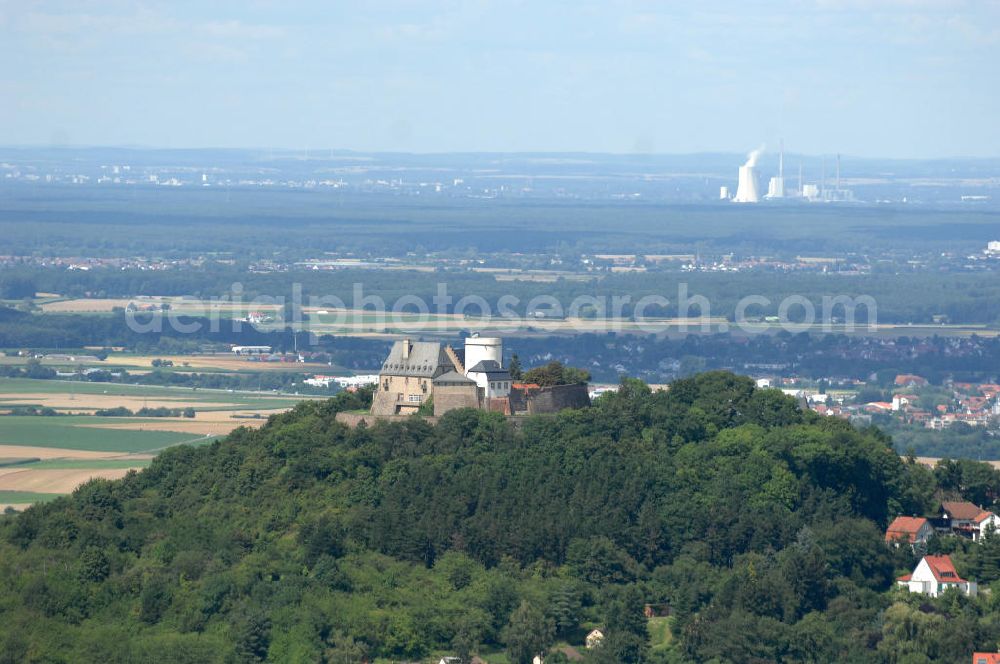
<point x="759" y="525"/>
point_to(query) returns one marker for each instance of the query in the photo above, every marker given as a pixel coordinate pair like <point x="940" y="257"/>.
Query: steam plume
<point x="754" y="156"/>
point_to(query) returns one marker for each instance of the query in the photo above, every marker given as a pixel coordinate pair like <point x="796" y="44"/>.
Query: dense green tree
<point x="251" y="636"/>
<point x="564" y="608"/>
<point x="527" y="634"/>
<point x="555" y="373"/>
<point x="758" y="525"/>
<point x="515" y="369"/>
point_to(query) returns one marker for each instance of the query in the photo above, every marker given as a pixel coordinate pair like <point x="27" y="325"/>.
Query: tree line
<point x="758" y="524"/>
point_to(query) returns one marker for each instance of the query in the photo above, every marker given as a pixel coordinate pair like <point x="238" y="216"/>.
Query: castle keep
<point x="470" y="377"/>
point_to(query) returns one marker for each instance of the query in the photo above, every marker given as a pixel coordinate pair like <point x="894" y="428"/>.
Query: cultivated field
<point x="42" y="456"/>
<point x="366" y="323"/>
<point x="226" y="363"/>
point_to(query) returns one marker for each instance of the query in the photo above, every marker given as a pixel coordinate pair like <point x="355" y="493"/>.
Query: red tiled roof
<point x="985" y="658"/>
<point x="983" y="516"/>
<point x="904" y="528"/>
<point x="943" y="569"/>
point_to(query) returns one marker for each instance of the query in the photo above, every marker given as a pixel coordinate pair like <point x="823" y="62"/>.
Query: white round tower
<point x="478" y="349"/>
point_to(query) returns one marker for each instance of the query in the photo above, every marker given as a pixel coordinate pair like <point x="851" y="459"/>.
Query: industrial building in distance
<point x="748" y="185"/>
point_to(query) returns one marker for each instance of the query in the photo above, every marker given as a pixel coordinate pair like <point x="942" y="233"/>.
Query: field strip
<point x="97" y="401"/>
<point x="29" y="451"/>
<point x="226" y="362"/>
<point x="932" y="461"/>
<point x="205" y="428"/>
<point x="55" y="480"/>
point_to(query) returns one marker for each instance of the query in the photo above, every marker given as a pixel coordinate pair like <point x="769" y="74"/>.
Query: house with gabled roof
<point x="934" y="575"/>
<point x="910" y="530"/>
<point x="453" y="390"/>
<point x="493" y="379"/>
<point x="968" y="519"/>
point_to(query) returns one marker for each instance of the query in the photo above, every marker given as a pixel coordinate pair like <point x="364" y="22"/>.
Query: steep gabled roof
<point x="943" y="569"/>
<point x="424" y="359"/>
<point x="905" y="528"/>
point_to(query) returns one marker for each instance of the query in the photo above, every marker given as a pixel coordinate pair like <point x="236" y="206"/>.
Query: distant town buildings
<point x="251" y="350"/>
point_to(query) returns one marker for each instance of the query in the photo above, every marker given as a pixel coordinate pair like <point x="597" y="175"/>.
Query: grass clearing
<point x="66" y="432"/>
<point x="660" y="634"/>
<point x="16" y="497"/>
<point x="89" y="464"/>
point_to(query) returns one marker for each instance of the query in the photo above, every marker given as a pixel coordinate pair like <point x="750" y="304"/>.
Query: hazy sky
<point x="890" y="78"/>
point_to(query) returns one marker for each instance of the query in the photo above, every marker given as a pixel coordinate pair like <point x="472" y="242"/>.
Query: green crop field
<point x="7" y="497"/>
<point x="10" y="387"/>
<point x="66" y="432"/>
<point x="86" y="464"/>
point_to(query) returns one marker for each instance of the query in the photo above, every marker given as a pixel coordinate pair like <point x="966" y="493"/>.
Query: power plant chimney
<point x="776" y="187"/>
<point x="822" y="180"/>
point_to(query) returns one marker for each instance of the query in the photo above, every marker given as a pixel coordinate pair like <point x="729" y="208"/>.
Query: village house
<point x="967" y="519"/>
<point x="594" y="638"/>
<point x="934" y="575"/>
<point x="910" y="530"/>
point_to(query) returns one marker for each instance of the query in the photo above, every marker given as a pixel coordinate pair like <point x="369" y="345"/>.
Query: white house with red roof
<point x="909" y="530"/>
<point x="969" y="519"/>
<point x="934" y="575"/>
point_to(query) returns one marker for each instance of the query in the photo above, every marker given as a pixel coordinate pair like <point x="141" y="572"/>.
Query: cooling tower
<point x="723" y="193"/>
<point x="748" y="190"/>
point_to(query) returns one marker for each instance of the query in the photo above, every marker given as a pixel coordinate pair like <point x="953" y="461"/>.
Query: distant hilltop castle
<point x="470" y="377"/>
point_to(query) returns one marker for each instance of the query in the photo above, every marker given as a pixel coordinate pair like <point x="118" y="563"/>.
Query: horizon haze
<point x="901" y="79"/>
